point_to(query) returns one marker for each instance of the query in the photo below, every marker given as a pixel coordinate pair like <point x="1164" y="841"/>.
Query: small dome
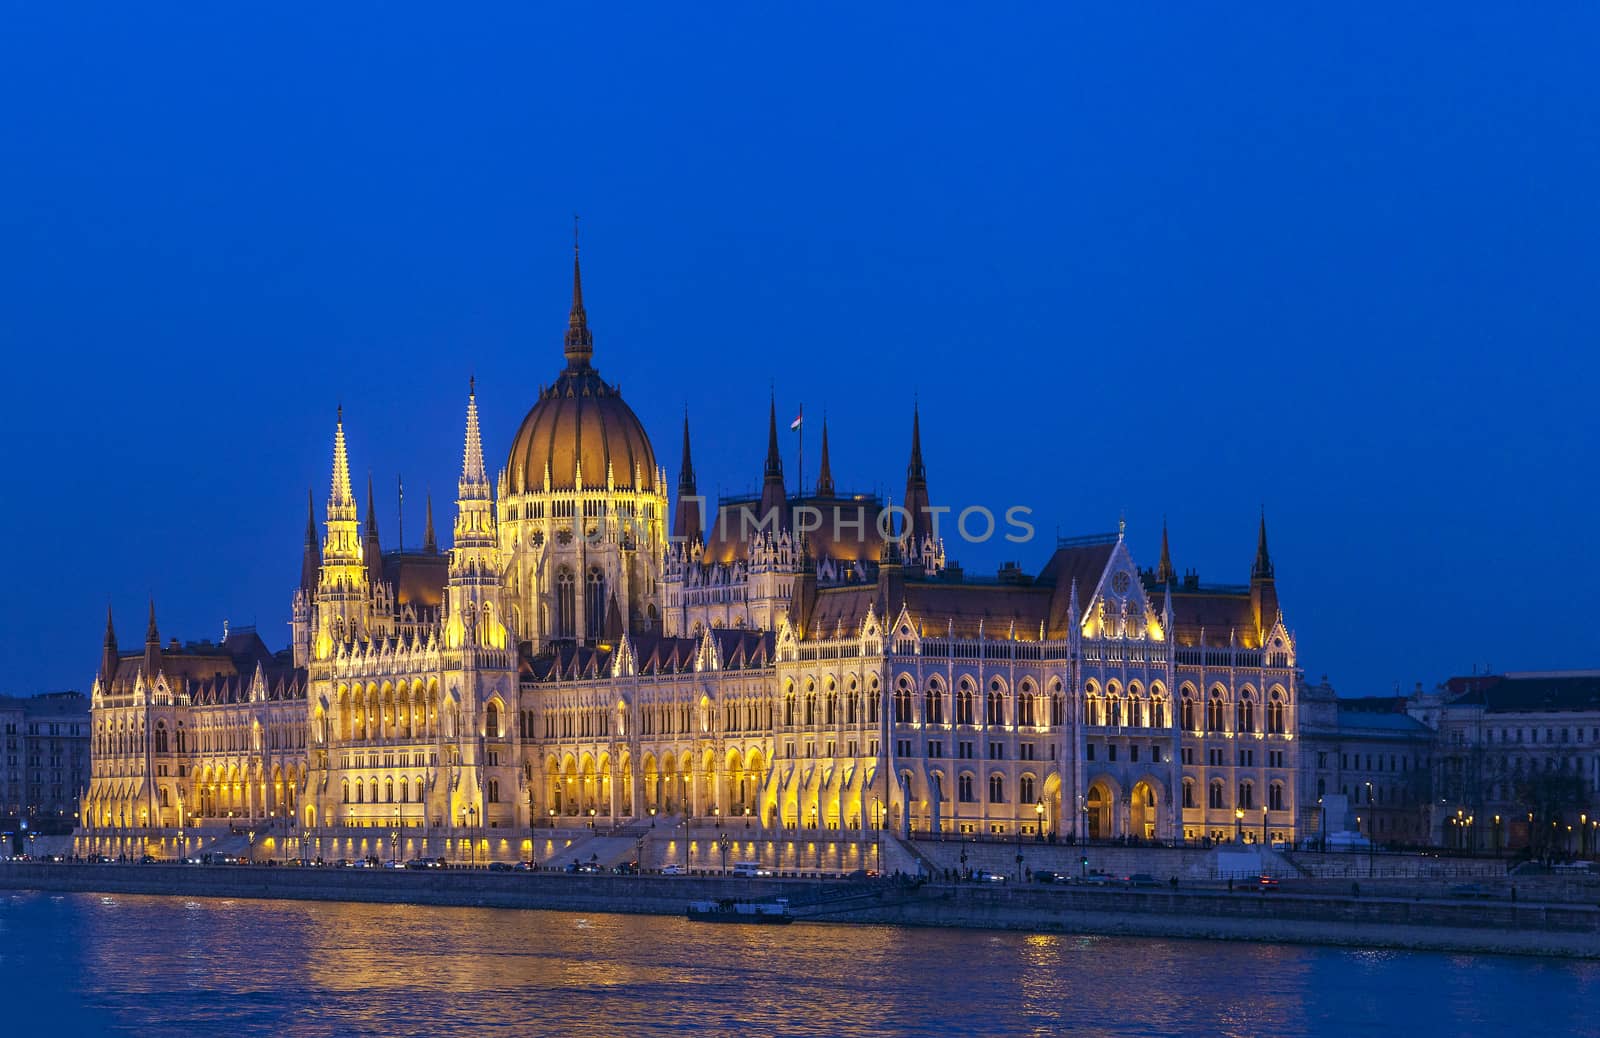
<point x="580" y="421"/>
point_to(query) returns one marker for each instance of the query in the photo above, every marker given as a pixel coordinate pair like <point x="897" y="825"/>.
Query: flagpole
<point x="400" y="507"/>
<point x="800" y="440"/>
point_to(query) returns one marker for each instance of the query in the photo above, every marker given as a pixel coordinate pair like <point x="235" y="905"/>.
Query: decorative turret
<point x="152" y="647"/>
<point x="686" y="519"/>
<point x="774" y="508"/>
<point x="343" y="589"/>
<point x="108" y="653"/>
<point x="473" y="592"/>
<point x="919" y="522"/>
<point x="372" y="550"/>
<point x="825" y="475"/>
<point x="311" y="556"/>
<point x="1263" y="587"/>
<point x="1164" y="572"/>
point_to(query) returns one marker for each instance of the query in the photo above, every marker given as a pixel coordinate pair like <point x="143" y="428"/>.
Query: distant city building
<point x="46" y="761"/>
<point x="806" y="659"/>
<point x="1518" y="761"/>
<point x="1372" y="758"/>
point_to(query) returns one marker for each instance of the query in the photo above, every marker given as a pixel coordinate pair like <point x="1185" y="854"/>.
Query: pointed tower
<point x="108" y="654"/>
<point x="311" y="555"/>
<point x="372" y="550"/>
<point x="343" y="595"/>
<point x="473" y="593"/>
<point x="774" y="507"/>
<point x="1263" y="586"/>
<point x="686" y="518"/>
<point x="825" y="473"/>
<point x="1164" y="568"/>
<point x="430" y="544"/>
<point x="152" y="647"/>
<point x="920" y="521"/>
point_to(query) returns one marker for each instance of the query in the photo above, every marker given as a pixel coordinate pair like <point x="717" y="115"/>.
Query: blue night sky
<point x="1180" y="266"/>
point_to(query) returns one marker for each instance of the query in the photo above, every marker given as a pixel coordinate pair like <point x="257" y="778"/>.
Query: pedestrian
<point x="1513" y="893"/>
<point x="1173" y="882"/>
<point x="1230" y="884"/>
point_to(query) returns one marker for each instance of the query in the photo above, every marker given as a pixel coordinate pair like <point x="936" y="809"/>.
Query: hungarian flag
<point x="797" y="419"/>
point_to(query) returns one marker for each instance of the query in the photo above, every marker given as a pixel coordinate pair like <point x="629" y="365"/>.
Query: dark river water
<point x="82" y="963"/>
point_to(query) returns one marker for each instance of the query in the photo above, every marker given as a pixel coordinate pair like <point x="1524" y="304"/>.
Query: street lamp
<point x="1264" y="841"/>
<point x="1038" y="821"/>
<point x="724" y="842"/>
<point x="394" y="839"/>
<point x="591" y="819"/>
<point x="1238" y="825"/>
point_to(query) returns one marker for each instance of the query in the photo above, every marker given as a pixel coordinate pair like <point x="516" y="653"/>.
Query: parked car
<point x="673" y="870"/>
<point x="499" y="866"/>
<point x="1262" y="883"/>
<point x="1141" y="879"/>
<point x="983" y="876"/>
<point x="1046" y="876"/>
<point x="861" y="874"/>
<point x="627" y="868"/>
<point x="1096" y="879"/>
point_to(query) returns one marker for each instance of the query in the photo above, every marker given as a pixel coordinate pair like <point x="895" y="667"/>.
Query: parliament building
<point x="593" y="654"/>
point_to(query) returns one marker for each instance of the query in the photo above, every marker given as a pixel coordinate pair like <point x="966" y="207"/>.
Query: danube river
<point x="85" y="963"/>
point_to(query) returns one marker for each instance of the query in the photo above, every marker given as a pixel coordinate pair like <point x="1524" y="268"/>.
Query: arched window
<point x="594" y="603"/>
<point x="388" y="791"/>
<point x="964" y="704"/>
<point x="811" y="704"/>
<point x="491" y="721"/>
<point x="1026" y="706"/>
<point x="566" y="603"/>
<point x="1247" y="714"/>
<point x="1188" y="793"/>
<point x="934" y="709"/>
<point x="997" y="789"/>
<point x="964" y="788"/>
<point x="1058" y="714"/>
<point x="995" y="709"/>
<point x="360" y="792"/>
<point x="1247" y="795"/>
<point x="1216" y="712"/>
<point x="346" y="788"/>
<point x="1275" y="712"/>
<point x="161" y="737"/>
<point x="1218" y="795"/>
<point x="830" y="704"/>
<point x="1025" y="790"/>
<point x="1190" y="720"/>
<point x="494" y="791"/>
<point x="404" y="792"/>
<point x="1275" y="796"/>
<point x="788" y="706"/>
<point x="902" y="701"/>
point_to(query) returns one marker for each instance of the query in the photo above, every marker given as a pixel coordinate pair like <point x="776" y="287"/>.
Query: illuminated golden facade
<point x="796" y="661"/>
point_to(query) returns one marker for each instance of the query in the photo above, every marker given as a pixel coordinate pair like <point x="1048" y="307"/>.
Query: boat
<point x="735" y="910"/>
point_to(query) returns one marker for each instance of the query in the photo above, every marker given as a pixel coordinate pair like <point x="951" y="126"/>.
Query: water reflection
<point x="335" y="969"/>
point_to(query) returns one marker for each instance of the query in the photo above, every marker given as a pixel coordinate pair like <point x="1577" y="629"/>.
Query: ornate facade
<point x="807" y="661"/>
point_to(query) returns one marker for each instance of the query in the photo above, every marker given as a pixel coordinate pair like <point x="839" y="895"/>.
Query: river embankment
<point x="1419" y="923"/>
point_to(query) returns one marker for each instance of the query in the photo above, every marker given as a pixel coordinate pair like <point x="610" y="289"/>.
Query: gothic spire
<point x="474" y="479"/>
<point x="311" y="559"/>
<point x="918" y="517"/>
<point x="774" y="499"/>
<point x="152" y="646"/>
<point x="341" y="494"/>
<point x="373" y="553"/>
<point x="430" y="545"/>
<point x="825" y="475"/>
<point x="1164" y="568"/>
<point x="108" y="655"/>
<point x="686" y="520"/>
<point x="579" y="343"/>
<point x="1262" y="570"/>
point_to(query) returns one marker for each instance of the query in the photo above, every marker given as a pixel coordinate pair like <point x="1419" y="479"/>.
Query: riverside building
<point x="590" y="653"/>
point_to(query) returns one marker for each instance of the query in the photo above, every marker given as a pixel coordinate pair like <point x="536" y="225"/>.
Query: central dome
<point x="580" y="424"/>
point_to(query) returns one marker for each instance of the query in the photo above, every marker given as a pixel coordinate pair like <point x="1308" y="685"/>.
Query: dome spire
<point x="474" y="480"/>
<point x="430" y="544"/>
<point x="1262" y="570"/>
<point x="916" y="499"/>
<point x="686" y="520"/>
<point x="579" y="344"/>
<point x="311" y="560"/>
<point x="774" y="500"/>
<point x="108" y="653"/>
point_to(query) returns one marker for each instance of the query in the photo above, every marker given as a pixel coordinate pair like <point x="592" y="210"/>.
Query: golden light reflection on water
<point x="196" y="965"/>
